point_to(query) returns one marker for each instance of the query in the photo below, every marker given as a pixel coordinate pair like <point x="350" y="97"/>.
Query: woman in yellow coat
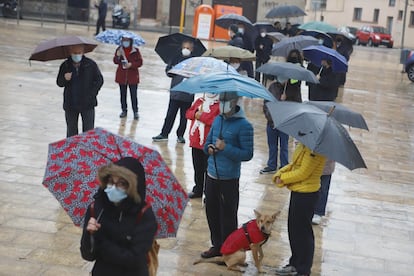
<point x="302" y="177"/>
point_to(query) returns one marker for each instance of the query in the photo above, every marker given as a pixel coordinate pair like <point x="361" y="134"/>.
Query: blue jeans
<point x="323" y="195"/>
<point x="275" y="139"/>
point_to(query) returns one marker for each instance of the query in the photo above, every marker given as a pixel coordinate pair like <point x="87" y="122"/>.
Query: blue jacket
<point x="237" y="133"/>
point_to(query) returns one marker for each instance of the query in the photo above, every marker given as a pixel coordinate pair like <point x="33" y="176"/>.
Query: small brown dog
<point x="251" y="236"/>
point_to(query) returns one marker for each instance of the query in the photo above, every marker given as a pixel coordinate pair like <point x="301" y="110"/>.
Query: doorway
<point x="149" y="9"/>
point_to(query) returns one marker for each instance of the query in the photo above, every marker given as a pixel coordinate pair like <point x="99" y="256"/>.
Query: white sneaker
<point x="316" y="220"/>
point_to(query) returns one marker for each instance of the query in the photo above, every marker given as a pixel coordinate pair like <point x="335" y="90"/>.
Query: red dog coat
<point x="242" y="238"/>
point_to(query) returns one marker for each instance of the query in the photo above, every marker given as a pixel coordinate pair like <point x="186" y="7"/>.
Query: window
<point x="391" y="3"/>
<point x="376" y="15"/>
<point x="412" y="18"/>
<point x="400" y="14"/>
<point x="323" y="4"/>
<point x="357" y="14"/>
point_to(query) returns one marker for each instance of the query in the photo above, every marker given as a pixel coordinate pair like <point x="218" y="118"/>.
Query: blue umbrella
<point x="220" y="82"/>
<point x="287" y="44"/>
<point x="201" y="65"/>
<point x="114" y="37"/>
<point x="316" y="54"/>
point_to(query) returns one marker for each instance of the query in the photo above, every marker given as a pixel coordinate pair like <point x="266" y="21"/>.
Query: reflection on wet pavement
<point x="369" y="226"/>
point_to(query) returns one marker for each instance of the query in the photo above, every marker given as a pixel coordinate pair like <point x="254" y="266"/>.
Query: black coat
<point x="237" y="41"/>
<point x="122" y="242"/>
<point x="263" y="54"/>
<point x="90" y="82"/>
<point x="176" y="79"/>
<point x="327" y="88"/>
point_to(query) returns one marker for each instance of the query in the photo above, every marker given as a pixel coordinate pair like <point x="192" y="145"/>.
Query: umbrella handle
<point x="331" y="110"/>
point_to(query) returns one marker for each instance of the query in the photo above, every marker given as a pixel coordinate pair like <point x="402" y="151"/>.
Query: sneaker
<point x="180" y="139"/>
<point x="136" y="116"/>
<point x="286" y="271"/>
<point x="160" y="138"/>
<point x="123" y="114"/>
<point x="316" y="220"/>
<point x="267" y="170"/>
<point x="210" y="253"/>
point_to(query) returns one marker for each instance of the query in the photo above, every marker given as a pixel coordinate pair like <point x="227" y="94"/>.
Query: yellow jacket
<point x="303" y="173"/>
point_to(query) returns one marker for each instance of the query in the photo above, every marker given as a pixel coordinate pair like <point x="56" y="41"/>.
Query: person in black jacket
<point x="327" y="88"/>
<point x="263" y="46"/>
<point x="119" y="227"/>
<point x="102" y="10"/>
<point x="178" y="100"/>
<point x="82" y="80"/>
<point x="236" y="38"/>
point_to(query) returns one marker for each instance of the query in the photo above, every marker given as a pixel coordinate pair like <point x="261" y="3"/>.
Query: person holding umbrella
<point x="229" y="142"/>
<point x="119" y="226"/>
<point x="302" y="177"/>
<point x="82" y="80"/>
<point x="263" y="46"/>
<point x="178" y="100"/>
<point x="327" y="88"/>
<point x="129" y="59"/>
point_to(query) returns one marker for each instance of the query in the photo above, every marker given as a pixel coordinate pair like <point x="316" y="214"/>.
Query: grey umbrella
<point x="341" y="113"/>
<point x="317" y="130"/>
<point x="284" y="46"/>
<point x="287" y="70"/>
<point x="285" y="11"/>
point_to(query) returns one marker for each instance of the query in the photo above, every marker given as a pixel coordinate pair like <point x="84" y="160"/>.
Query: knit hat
<point x="234" y="28"/>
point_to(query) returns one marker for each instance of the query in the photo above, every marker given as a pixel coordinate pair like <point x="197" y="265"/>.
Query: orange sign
<point x="221" y="33"/>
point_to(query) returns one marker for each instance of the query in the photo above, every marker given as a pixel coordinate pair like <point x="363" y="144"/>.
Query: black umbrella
<point x="285" y="11"/>
<point x="250" y="32"/>
<point x="168" y="46"/>
<point x="327" y="39"/>
<point x="264" y="25"/>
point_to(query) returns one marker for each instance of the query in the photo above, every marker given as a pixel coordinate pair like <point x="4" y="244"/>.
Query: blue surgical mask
<point x="115" y="194"/>
<point x="126" y="43"/>
<point x="76" y="58"/>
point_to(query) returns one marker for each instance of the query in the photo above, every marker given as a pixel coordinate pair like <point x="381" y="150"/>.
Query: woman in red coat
<point x="129" y="59"/>
<point x="202" y="114"/>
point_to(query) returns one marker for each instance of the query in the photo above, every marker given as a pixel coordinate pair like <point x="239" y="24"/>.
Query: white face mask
<point x="263" y="34"/>
<point x="235" y="65"/>
<point x="225" y="107"/>
<point x="241" y="30"/>
<point x="320" y="41"/>
<point x="185" y="52"/>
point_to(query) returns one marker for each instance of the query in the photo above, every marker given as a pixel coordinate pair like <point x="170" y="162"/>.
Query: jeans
<point x="200" y="169"/>
<point x="134" y="100"/>
<point x="173" y="108"/>
<point x="72" y="117"/>
<point x="222" y="203"/>
<point x="323" y="195"/>
<point x="277" y="138"/>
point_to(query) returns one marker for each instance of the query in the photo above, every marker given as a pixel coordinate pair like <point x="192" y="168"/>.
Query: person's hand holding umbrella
<point x="93" y="225"/>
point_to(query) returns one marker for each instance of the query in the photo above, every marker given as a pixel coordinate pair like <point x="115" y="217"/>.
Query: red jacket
<point x="130" y="75"/>
<point x="206" y="119"/>
<point x="238" y="240"/>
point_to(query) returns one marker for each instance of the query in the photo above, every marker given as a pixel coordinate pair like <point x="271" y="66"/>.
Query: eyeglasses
<point x="119" y="182"/>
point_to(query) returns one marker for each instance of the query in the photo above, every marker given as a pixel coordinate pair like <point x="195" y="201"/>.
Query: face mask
<point x="114" y="194"/>
<point x="262" y="34"/>
<point x="126" y="43"/>
<point x="235" y="65"/>
<point x="240" y="30"/>
<point x="185" y="52"/>
<point x="225" y="107"/>
<point x="320" y="41"/>
<point x="76" y="58"/>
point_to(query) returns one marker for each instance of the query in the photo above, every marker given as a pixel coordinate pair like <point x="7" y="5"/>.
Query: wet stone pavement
<point x="369" y="227"/>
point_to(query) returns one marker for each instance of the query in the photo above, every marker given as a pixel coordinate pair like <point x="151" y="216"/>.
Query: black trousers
<point x="222" y="204"/>
<point x="72" y="117"/>
<point x="248" y="67"/>
<point x="258" y="74"/>
<point x="173" y="108"/>
<point x="100" y="23"/>
<point x="200" y="168"/>
<point x="134" y="98"/>
<point x="301" y="238"/>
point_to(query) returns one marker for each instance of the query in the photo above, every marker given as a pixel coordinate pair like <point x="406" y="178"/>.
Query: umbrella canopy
<point x="285" y="11"/>
<point x="317" y="130"/>
<point x="201" y="65"/>
<point x="71" y="176"/>
<point x="227" y="52"/>
<point x="283" y="47"/>
<point x="327" y="39"/>
<point x="169" y="46"/>
<point x="114" y="37"/>
<point x="250" y="32"/>
<point x="317" y="53"/>
<point x="318" y="26"/>
<point x="264" y="25"/>
<point x="276" y="36"/>
<point x="224" y="82"/>
<point x="341" y="113"/>
<point x="287" y="70"/>
<point x="58" y="48"/>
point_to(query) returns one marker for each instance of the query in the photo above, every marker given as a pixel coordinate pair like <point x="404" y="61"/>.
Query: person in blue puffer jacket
<point x="229" y="142"/>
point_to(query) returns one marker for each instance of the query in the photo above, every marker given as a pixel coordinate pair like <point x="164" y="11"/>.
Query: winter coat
<point x="303" y="174"/>
<point x="176" y="79"/>
<point x="238" y="240"/>
<point x="124" y="239"/>
<point x="263" y="54"/>
<point x="200" y="128"/>
<point x="102" y="8"/>
<point x="237" y="41"/>
<point x="327" y="88"/>
<point x="130" y="75"/>
<point x="237" y="134"/>
<point x="89" y="82"/>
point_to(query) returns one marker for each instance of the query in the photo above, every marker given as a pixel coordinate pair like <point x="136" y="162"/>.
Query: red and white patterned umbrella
<point x="71" y="176"/>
